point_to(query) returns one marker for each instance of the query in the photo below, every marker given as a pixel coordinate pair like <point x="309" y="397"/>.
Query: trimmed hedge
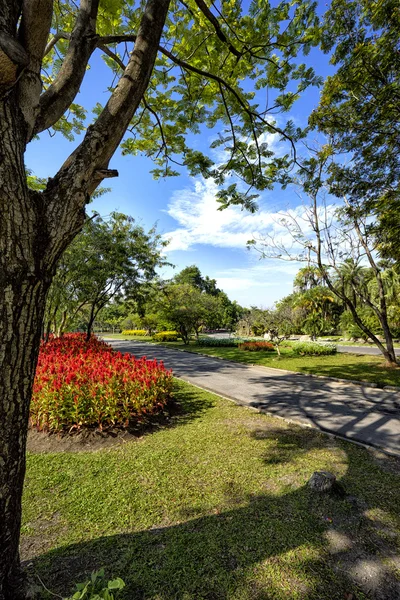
<point x="256" y="346"/>
<point x="137" y="332"/>
<point x="313" y="349"/>
<point x="166" y="336"/>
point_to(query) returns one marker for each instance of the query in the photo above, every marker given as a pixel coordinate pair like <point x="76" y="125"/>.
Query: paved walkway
<point x="361" y="413"/>
<point x="363" y="350"/>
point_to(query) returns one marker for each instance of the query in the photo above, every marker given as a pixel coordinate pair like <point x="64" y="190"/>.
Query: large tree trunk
<point x="29" y="249"/>
<point x="36" y="227"/>
<point x="22" y="303"/>
<point x="23" y="286"/>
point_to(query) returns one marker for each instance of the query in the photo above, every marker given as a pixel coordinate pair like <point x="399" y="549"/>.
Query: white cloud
<point x="200" y="222"/>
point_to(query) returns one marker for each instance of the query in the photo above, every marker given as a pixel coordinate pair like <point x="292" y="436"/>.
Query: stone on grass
<point x="322" y="482"/>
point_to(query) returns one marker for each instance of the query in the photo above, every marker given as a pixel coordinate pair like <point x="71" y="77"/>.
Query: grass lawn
<point x="360" y="367"/>
<point x="215" y="506"/>
<point x="127" y="338"/>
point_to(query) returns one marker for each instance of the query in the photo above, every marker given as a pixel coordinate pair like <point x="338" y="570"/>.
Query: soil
<point x="82" y="441"/>
<point x="92" y="440"/>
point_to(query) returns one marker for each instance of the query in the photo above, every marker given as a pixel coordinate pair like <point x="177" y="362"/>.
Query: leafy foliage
<point x="313" y="349"/>
<point x="359" y="103"/>
<point x="97" y="588"/>
<point x="108" y="259"/>
<point x="85" y="384"/>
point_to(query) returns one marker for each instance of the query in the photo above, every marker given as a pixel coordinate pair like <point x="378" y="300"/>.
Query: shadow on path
<point x="360" y="413"/>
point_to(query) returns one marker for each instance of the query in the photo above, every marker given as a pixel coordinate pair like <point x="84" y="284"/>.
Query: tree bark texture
<point x="24" y="280"/>
<point x="36" y="227"/>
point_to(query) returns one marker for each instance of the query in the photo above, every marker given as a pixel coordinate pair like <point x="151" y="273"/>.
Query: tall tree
<point x="189" y="309"/>
<point x="186" y="64"/>
<point x="107" y="259"/>
<point x="192" y="276"/>
<point x="327" y="237"/>
<point x="359" y="110"/>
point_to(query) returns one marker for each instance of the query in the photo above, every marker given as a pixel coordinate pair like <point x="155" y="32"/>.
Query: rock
<point x="322" y="482"/>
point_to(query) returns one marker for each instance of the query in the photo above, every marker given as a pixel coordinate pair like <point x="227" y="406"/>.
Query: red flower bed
<point x="256" y="346"/>
<point x="82" y="383"/>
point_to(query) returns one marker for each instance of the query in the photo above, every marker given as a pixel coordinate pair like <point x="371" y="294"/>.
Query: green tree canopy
<point x="359" y="105"/>
<point x="108" y="259"/>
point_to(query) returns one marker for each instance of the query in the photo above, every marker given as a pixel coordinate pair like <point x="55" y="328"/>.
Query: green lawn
<point x="347" y="366"/>
<point x="127" y="338"/>
<point x="215" y="507"/>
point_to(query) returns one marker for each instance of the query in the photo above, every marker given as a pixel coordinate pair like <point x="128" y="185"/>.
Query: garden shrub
<point x="256" y="346"/>
<point x="82" y="384"/>
<point x="137" y="332"/>
<point x="166" y="336"/>
<point x="313" y="349"/>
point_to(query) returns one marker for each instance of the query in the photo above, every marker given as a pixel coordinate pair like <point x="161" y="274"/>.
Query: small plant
<point x="257" y="346"/>
<point x="135" y="332"/>
<point x="313" y="349"/>
<point x="166" y="336"/>
<point x="97" y="588"/>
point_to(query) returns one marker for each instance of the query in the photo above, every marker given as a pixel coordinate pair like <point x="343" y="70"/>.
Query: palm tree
<point x="352" y="277"/>
<point x="308" y="278"/>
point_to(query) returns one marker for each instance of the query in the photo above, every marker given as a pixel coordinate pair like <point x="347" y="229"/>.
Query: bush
<point x="313" y="349"/>
<point x="256" y="346"/>
<point x="82" y="384"/>
<point x="137" y="332"/>
<point x="166" y="336"/>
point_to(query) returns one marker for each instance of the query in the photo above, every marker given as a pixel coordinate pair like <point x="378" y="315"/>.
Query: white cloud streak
<point x="200" y="222"/>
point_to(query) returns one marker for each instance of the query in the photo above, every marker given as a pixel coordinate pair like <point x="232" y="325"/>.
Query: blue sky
<point x="185" y="208"/>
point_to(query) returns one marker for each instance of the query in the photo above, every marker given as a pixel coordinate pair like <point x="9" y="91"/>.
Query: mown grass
<point x="360" y="367"/>
<point x="214" y="506"/>
<point x="127" y="338"/>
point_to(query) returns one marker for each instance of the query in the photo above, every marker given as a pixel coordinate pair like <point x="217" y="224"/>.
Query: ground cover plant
<point x="215" y="506"/>
<point x="85" y="384"/>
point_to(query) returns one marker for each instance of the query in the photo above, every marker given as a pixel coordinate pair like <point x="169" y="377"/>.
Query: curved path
<point x="360" y="413"/>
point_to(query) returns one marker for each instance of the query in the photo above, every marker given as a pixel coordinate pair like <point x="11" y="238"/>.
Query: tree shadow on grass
<point x="295" y="545"/>
<point x="372" y="371"/>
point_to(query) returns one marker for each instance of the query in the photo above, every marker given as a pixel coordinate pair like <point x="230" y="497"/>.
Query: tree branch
<point x="59" y="96"/>
<point x="60" y="35"/>
<point x="112" y="55"/>
<point x="215" y="23"/>
<point x="33" y="34"/>
<point x="70" y="189"/>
